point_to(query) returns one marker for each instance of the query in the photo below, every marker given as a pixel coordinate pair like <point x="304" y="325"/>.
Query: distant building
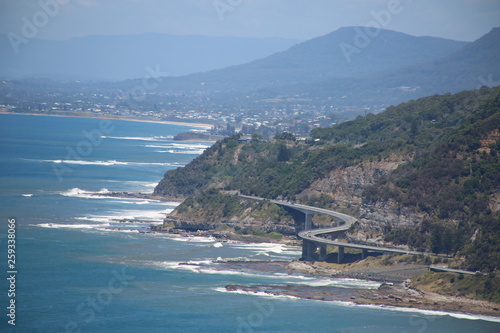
<point x="246" y="139"/>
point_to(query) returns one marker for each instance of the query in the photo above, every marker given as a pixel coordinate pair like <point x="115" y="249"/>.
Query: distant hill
<point x="322" y="58"/>
<point x="470" y="67"/>
<point x="336" y="68"/>
<point x="127" y="57"/>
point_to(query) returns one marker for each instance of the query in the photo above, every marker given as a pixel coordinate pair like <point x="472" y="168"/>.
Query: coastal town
<point x="226" y="116"/>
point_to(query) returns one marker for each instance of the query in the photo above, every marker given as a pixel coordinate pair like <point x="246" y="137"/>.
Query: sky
<point x="465" y="20"/>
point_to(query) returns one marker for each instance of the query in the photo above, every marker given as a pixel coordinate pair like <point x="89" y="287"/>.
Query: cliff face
<point x="346" y="186"/>
<point x="237" y="224"/>
<point x="217" y="211"/>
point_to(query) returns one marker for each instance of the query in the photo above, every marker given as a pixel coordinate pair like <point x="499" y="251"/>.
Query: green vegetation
<point x="213" y="206"/>
<point x="451" y="183"/>
<point x="273" y="234"/>
<point x="451" y="140"/>
<point x="475" y="286"/>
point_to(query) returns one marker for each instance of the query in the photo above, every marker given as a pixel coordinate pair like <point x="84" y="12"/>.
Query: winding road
<point x="312" y="239"/>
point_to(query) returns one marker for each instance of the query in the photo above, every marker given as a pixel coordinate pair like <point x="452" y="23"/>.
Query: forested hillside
<point x="442" y="194"/>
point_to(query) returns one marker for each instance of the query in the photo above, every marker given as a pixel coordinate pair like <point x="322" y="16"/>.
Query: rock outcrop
<point x="346" y="185"/>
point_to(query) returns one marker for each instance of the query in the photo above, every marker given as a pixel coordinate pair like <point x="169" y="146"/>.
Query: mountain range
<point x="470" y="67"/>
<point x="321" y="59"/>
<point x="352" y="68"/>
<point x="389" y="68"/>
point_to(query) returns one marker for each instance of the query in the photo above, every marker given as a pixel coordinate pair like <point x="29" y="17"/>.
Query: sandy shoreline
<point x="113" y="118"/>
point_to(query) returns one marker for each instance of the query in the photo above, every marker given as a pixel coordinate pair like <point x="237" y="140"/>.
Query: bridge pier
<point x="308" y="221"/>
<point x="364" y="254"/>
<point x="302" y="214"/>
<point x="308" y="250"/>
<point x="340" y="255"/>
<point x="322" y="252"/>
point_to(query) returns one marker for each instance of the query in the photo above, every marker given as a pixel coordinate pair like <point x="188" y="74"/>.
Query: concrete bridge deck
<point x="311" y="237"/>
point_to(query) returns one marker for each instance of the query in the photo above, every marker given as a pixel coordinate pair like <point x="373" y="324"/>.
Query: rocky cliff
<point x="347" y="185"/>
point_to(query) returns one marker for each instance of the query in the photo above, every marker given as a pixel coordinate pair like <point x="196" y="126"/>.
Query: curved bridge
<point x="311" y="237"/>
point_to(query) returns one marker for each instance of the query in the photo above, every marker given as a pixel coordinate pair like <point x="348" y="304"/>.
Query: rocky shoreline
<point x="223" y="235"/>
<point x="386" y="295"/>
<point x="130" y="195"/>
<point x="395" y="289"/>
<point x="396" y="294"/>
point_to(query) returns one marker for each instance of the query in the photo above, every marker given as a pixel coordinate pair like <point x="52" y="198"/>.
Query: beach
<point x="94" y="116"/>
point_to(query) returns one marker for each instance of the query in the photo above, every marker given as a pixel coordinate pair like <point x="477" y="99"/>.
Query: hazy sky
<point x="298" y="19"/>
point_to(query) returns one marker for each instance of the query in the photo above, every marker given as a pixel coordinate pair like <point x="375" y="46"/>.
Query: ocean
<point x="84" y="263"/>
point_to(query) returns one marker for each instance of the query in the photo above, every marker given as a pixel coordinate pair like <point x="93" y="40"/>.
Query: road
<point x="345" y="222"/>
<point x="452" y="270"/>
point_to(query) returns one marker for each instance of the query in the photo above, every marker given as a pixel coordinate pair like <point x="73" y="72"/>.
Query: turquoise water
<point x="83" y="266"/>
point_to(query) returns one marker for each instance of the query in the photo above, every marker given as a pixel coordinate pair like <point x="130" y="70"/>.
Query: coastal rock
<point x="186" y="225"/>
<point x="375" y="216"/>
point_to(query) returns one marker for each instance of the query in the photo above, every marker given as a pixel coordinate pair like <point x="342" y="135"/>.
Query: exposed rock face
<point x="285" y="227"/>
<point x="346" y="186"/>
<point x="179" y="223"/>
<point x="375" y="217"/>
<point x="495" y="202"/>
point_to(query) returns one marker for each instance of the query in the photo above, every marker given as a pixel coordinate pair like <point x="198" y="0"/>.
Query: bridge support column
<point x="308" y="221"/>
<point x="340" y="255"/>
<point x="364" y="254"/>
<point x="322" y="252"/>
<point x="308" y="250"/>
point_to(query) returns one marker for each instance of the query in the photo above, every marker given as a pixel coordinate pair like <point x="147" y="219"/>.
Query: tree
<point x="285" y="136"/>
<point x="256" y="136"/>
<point x="283" y="153"/>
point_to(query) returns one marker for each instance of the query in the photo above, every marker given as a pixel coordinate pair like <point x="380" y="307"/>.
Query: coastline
<point x="398" y="295"/>
<point x="91" y="116"/>
<point x="395" y="290"/>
